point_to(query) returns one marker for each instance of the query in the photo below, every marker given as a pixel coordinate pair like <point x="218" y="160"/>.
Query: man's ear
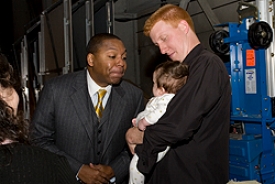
<point x="184" y="26"/>
<point x="90" y="59"/>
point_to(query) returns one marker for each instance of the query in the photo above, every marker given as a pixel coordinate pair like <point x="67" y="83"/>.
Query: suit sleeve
<point x="184" y="113"/>
<point x="43" y="125"/>
<point x="65" y="174"/>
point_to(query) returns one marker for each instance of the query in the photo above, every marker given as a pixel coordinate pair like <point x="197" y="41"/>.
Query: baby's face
<point x="157" y="91"/>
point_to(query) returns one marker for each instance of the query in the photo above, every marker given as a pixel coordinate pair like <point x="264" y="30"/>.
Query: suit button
<point x="99" y="131"/>
<point x="98" y="142"/>
<point x="98" y="153"/>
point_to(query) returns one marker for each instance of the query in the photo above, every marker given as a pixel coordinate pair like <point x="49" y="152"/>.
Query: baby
<point x="168" y="78"/>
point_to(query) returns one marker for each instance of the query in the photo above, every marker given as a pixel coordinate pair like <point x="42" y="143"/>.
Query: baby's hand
<point x="134" y="122"/>
<point x="141" y="125"/>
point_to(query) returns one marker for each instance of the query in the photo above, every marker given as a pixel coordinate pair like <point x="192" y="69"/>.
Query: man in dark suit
<point x="65" y="121"/>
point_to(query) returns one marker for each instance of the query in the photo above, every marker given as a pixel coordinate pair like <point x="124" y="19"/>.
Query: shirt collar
<point x="93" y="87"/>
<point x="193" y="54"/>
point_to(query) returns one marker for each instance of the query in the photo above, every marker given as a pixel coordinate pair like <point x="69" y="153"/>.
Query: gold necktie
<point x="99" y="107"/>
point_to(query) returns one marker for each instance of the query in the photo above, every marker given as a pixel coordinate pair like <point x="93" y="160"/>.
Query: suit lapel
<point x="81" y="99"/>
<point x="112" y="120"/>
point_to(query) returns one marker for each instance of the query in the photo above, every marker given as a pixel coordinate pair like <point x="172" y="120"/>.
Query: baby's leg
<point x="135" y="176"/>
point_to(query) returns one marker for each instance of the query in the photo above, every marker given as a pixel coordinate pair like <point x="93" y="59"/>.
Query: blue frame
<point x="252" y="154"/>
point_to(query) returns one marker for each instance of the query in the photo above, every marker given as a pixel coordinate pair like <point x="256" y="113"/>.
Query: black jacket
<point x="20" y="163"/>
<point x="195" y="125"/>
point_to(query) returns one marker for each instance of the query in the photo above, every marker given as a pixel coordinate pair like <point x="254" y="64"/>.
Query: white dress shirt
<point x="93" y="88"/>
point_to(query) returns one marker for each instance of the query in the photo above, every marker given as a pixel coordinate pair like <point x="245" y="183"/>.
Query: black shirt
<point x="195" y="125"/>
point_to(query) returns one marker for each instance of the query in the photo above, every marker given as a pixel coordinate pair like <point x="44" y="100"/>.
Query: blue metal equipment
<point x="252" y="109"/>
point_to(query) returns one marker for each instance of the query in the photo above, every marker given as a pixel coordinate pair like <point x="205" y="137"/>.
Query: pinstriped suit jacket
<point x="65" y="123"/>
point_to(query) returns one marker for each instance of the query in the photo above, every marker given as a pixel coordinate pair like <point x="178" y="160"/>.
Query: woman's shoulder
<point x="30" y="150"/>
<point x="37" y="164"/>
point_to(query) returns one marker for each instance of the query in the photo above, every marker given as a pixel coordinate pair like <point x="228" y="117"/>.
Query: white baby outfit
<point x="154" y="110"/>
